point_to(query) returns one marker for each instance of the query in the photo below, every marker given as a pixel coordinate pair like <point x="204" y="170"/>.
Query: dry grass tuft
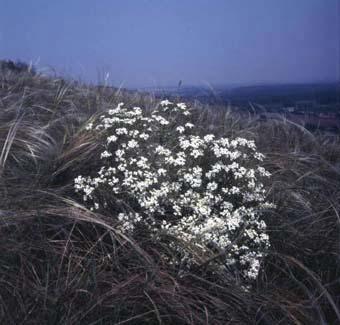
<point x="63" y="264"/>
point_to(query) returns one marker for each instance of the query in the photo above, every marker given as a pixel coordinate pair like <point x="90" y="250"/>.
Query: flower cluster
<point x="164" y="176"/>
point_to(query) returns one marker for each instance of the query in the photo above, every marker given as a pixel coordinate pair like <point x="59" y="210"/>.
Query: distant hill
<point x="323" y="93"/>
<point x="286" y="94"/>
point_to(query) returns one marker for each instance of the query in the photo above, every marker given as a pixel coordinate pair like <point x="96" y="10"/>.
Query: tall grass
<point x="61" y="263"/>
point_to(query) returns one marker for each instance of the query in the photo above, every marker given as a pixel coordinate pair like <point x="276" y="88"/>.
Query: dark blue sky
<point x="159" y="42"/>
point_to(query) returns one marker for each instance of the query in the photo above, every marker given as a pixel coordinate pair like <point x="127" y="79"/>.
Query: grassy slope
<point x="62" y="264"/>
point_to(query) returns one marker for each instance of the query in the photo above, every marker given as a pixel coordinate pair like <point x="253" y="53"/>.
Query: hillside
<point x="63" y="262"/>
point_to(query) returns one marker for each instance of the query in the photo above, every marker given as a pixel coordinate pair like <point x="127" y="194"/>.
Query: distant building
<point x="305" y="105"/>
<point x="326" y="107"/>
<point x="273" y="106"/>
<point x="290" y="109"/>
<point x="328" y="115"/>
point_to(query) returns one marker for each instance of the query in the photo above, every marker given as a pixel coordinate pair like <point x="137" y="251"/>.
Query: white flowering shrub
<point x="162" y="176"/>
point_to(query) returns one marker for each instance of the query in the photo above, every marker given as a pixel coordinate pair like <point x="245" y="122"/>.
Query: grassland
<point x="61" y="263"/>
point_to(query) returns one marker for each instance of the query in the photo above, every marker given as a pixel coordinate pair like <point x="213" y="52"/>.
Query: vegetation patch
<point x="152" y="212"/>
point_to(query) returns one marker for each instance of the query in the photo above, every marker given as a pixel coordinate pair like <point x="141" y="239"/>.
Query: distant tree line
<point x="16" y="67"/>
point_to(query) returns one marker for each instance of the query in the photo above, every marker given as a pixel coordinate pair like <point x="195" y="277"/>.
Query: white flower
<point x="212" y="186"/>
<point x="161" y="171"/>
<point x="160" y="119"/>
<point x="180" y="129"/>
<point x="208" y="137"/>
<point x="137" y="111"/>
<point x="105" y="154"/>
<point x="144" y="136"/>
<point x="143" y="163"/>
<point x="196" y="153"/>
<point x="134" y="133"/>
<point x="120" y="153"/>
<point x="112" y="138"/>
<point x="133" y="144"/>
<point x="162" y="151"/>
<point x="121" y="131"/>
<point x="89" y="126"/>
<point x="182" y="106"/>
<point x="165" y="102"/>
